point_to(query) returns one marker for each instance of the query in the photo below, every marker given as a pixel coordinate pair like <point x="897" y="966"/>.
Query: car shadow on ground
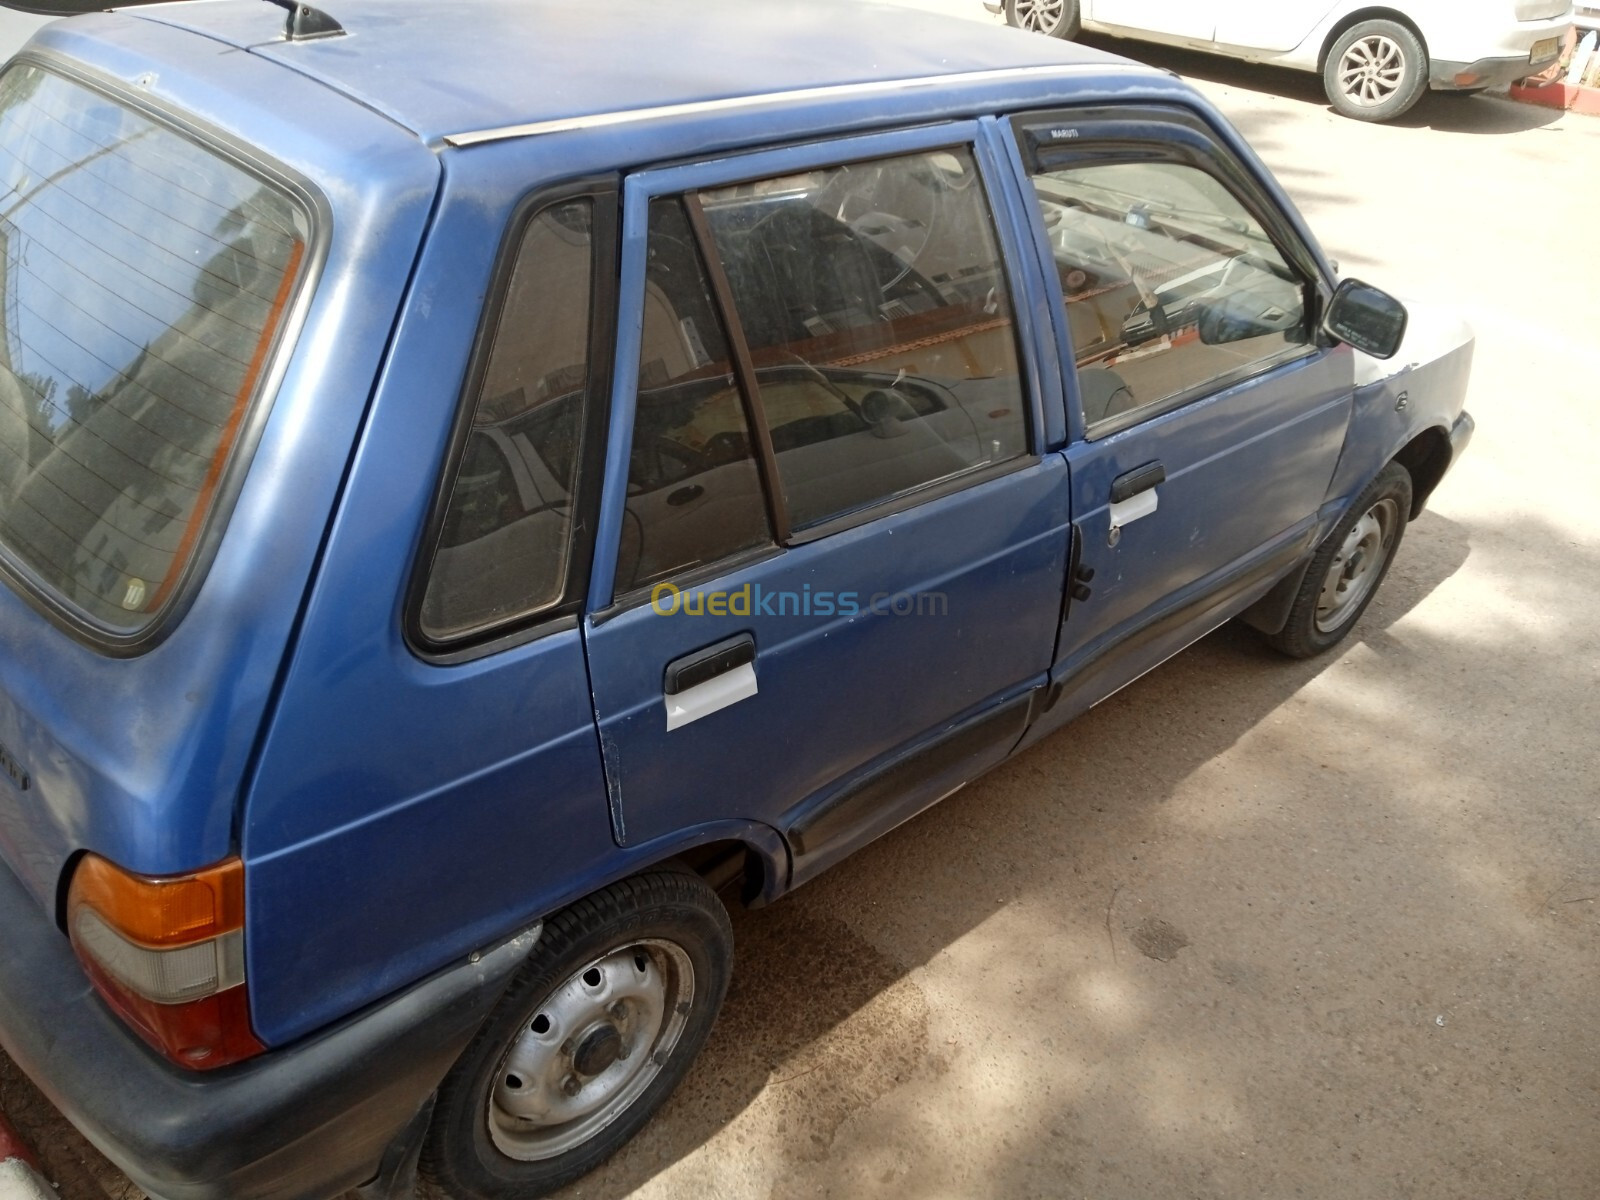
<point x="1486" y="114"/>
<point x="821" y="1020"/>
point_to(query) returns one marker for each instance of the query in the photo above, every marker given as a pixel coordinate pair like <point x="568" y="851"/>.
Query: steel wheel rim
<point x="1355" y="570"/>
<point x="1040" y="16"/>
<point x="1372" y="70"/>
<point x="590" y="1050"/>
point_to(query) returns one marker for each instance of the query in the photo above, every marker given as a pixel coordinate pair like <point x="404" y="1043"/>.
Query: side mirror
<point x="1372" y="321"/>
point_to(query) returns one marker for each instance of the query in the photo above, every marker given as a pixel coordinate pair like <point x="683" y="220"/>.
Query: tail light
<point x="168" y="955"/>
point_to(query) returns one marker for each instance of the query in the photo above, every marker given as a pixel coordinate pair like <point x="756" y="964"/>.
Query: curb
<point x="1566" y="96"/>
<point x="19" y="1174"/>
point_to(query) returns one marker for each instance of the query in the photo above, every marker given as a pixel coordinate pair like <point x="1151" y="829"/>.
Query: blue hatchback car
<point x="482" y="482"/>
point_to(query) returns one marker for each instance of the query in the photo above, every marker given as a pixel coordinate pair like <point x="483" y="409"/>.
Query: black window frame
<point x="785" y="536"/>
<point x="605" y="248"/>
<point x="1112" y="135"/>
<point x="41" y="596"/>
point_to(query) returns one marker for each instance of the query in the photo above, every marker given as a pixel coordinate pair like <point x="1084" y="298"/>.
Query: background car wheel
<point x="1376" y="71"/>
<point x="594" y="1032"/>
<point x="1056" y="18"/>
<point x="1348" y="567"/>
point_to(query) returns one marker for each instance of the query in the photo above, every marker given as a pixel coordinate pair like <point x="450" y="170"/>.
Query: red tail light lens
<point x="168" y="955"/>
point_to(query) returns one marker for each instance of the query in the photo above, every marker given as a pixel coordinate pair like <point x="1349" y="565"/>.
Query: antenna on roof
<point x="305" y="22"/>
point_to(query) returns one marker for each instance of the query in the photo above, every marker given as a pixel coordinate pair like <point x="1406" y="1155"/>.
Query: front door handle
<point x="1134" y="497"/>
<point x="709" y="680"/>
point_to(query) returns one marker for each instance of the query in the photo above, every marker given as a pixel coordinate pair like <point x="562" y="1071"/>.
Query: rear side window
<point x="143" y="282"/>
<point x="505" y="548"/>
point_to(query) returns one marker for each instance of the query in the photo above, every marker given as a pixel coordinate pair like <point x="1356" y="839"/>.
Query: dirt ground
<point x="1252" y="928"/>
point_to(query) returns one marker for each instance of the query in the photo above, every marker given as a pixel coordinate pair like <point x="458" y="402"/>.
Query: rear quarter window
<point x="144" y="278"/>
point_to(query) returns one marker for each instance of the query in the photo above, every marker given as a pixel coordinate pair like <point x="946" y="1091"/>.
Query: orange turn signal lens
<point x="163" y="912"/>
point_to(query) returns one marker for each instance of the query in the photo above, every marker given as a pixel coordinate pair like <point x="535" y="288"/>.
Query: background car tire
<point x="1055" y="18"/>
<point x="578" y="1009"/>
<point x="1322" y="615"/>
<point x="1376" y="71"/>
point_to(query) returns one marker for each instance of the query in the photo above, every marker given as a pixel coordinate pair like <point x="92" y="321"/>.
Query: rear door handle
<point x="709" y="680"/>
<point x="1133" y="496"/>
<point x="1140" y="479"/>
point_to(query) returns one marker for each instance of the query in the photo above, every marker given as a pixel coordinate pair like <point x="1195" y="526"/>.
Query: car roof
<point x="445" y="68"/>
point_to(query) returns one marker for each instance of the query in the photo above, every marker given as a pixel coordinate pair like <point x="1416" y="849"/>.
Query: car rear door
<point x="831" y="553"/>
<point x="1276" y="26"/>
<point x="1186" y="21"/>
<point x="1211" y="413"/>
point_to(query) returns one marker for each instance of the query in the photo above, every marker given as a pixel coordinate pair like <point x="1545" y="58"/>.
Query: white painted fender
<point x="1433" y="332"/>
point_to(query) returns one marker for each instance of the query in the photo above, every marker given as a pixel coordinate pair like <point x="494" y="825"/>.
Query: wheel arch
<point x="1374" y="13"/>
<point x="737" y="866"/>
<point x="1426" y="458"/>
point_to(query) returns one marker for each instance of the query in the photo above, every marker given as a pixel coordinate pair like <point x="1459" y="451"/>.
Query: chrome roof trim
<point x="837" y="91"/>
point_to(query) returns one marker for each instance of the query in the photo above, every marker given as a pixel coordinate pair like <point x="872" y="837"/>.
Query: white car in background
<point x="1375" y="63"/>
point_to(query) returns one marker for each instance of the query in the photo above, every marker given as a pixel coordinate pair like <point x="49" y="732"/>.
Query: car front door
<point x="830" y="556"/>
<point x="1185" y="21"/>
<point x="1211" y="413"/>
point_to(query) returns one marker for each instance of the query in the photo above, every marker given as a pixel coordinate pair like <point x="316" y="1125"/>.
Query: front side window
<point x="507" y="538"/>
<point x="878" y="318"/>
<point x="1172" y="288"/>
<point x="144" y="279"/>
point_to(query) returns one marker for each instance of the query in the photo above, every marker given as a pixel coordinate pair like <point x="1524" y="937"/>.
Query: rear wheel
<point x="1376" y="71"/>
<point x="1054" y="18"/>
<point x="596" y="1029"/>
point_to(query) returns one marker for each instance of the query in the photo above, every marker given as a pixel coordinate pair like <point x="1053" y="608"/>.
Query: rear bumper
<point x="1461" y="436"/>
<point x="1447" y="76"/>
<point x="309" y="1120"/>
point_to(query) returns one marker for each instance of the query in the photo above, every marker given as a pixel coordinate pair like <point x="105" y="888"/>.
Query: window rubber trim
<point x="605" y="251"/>
<point x="208" y="531"/>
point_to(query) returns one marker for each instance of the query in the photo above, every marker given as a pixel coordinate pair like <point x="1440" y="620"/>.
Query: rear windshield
<point x="143" y="280"/>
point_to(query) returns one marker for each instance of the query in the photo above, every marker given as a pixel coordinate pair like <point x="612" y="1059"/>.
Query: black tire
<point x="1310" y="630"/>
<point x="1044" y="16"/>
<point x="1399" y="75"/>
<point x="630" y="921"/>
